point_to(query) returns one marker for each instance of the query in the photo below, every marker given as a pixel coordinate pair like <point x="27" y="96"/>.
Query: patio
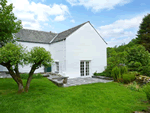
<point x="87" y="80"/>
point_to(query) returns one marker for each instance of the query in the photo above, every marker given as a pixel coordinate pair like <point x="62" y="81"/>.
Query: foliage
<point x="147" y="91"/>
<point x="146" y="70"/>
<point x="39" y="56"/>
<point x="123" y="69"/>
<point x="143" y="36"/>
<point x="8" y="23"/>
<point x="128" y="77"/>
<point x="116" y="73"/>
<point x="71" y="99"/>
<point x="26" y="75"/>
<point x="100" y="74"/>
<point x="12" y="53"/>
<point x="138" y="56"/>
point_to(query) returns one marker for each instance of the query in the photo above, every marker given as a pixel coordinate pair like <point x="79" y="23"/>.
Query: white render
<point x="85" y="44"/>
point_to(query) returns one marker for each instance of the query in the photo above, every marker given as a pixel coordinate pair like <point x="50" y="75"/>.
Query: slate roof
<point x="63" y="35"/>
<point x="27" y="35"/>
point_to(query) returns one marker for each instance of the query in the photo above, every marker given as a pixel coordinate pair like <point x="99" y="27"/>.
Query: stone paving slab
<point x="80" y="81"/>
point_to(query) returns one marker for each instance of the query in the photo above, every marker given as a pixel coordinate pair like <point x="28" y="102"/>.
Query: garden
<point x="128" y="65"/>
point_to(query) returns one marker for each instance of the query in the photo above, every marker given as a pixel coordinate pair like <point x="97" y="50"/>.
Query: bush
<point x="100" y="74"/>
<point x="135" y="73"/>
<point x="115" y="73"/>
<point x="147" y="91"/>
<point x="128" y="77"/>
<point x="146" y="70"/>
<point x="37" y="76"/>
<point x="123" y="69"/>
<point x="25" y="76"/>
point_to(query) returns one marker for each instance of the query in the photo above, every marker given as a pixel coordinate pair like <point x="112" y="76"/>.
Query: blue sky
<point x="117" y="21"/>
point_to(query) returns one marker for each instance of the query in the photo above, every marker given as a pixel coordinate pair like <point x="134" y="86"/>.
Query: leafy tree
<point x="12" y="55"/>
<point x="137" y="58"/>
<point x="8" y="23"/>
<point x="38" y="57"/>
<point x="144" y="33"/>
<point x="138" y="54"/>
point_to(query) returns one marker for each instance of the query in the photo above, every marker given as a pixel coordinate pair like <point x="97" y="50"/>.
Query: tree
<point x="8" y="23"/>
<point x="143" y="36"/>
<point x="137" y="56"/>
<point x="12" y="55"/>
<point x="38" y="57"/>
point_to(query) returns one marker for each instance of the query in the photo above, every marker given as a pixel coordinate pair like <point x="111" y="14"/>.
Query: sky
<point x="117" y="21"/>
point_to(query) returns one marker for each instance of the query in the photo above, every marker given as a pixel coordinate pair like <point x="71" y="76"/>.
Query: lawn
<point x="45" y="97"/>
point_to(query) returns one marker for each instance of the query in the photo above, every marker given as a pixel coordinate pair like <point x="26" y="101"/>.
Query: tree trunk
<point x="20" y="88"/>
<point x="30" y="78"/>
<point x="20" y="85"/>
<point x="17" y="80"/>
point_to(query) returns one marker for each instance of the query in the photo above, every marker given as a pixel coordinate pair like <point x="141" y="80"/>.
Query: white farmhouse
<point x="77" y="52"/>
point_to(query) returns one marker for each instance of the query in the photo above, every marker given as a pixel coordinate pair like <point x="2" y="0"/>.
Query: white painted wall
<point x="2" y="68"/>
<point x="85" y="44"/>
<point x="29" y="47"/>
<point x="58" y="51"/>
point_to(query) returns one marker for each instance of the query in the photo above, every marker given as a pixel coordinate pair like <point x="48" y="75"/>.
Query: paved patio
<point x="87" y="80"/>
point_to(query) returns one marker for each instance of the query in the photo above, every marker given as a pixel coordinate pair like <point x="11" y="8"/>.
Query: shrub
<point x="123" y="69"/>
<point x="135" y="73"/>
<point x="108" y="70"/>
<point x="115" y="73"/>
<point x="147" y="91"/>
<point x="25" y="76"/>
<point x="146" y="70"/>
<point x="37" y="76"/>
<point x="100" y="74"/>
<point x="128" y="77"/>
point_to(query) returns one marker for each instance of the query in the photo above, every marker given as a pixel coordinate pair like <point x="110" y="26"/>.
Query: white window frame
<point x="85" y="67"/>
<point x="57" y="66"/>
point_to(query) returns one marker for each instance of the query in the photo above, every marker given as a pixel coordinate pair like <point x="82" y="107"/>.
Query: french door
<point x="84" y="68"/>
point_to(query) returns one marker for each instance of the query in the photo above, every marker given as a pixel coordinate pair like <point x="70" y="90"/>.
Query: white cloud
<point x="125" y="29"/>
<point x="73" y="21"/>
<point x="46" y="24"/>
<point x="34" y="13"/>
<point x="97" y="5"/>
<point x="59" y="18"/>
<point x="118" y="42"/>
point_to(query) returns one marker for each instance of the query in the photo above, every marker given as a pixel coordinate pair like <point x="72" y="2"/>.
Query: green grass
<point x="45" y="97"/>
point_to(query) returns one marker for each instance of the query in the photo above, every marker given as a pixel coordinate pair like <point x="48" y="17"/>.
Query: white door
<point x="84" y="68"/>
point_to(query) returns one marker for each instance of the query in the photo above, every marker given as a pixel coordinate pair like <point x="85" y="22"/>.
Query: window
<point x="57" y="66"/>
<point x="84" y="68"/>
<point x="87" y="68"/>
